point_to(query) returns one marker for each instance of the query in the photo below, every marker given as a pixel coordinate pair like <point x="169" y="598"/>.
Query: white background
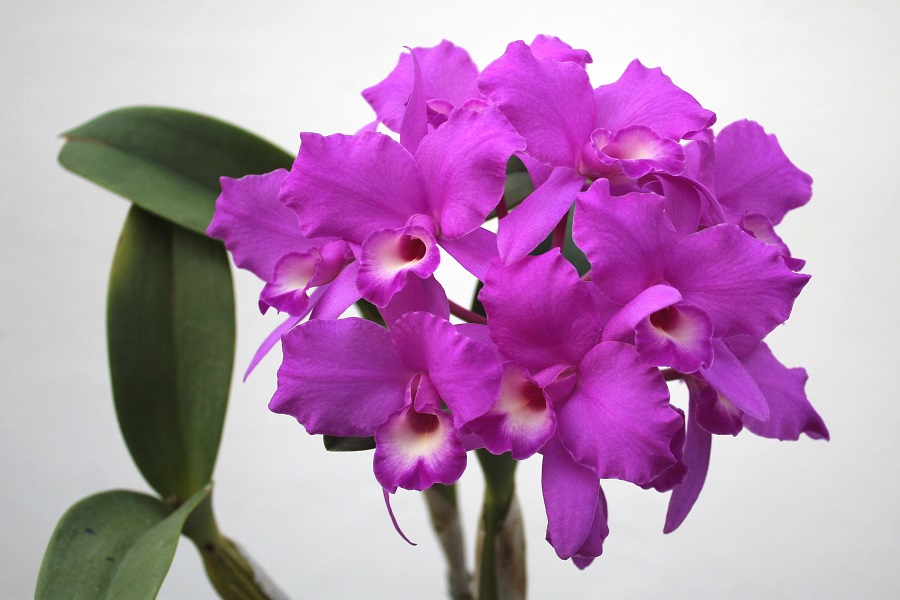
<point x="793" y="520"/>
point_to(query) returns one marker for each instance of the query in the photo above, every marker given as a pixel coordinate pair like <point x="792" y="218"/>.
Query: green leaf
<point x="518" y="185"/>
<point x="570" y="251"/>
<point x="112" y="545"/>
<point x="167" y="161"/>
<point x="334" y="443"/>
<point x="369" y="311"/>
<point x="170" y="331"/>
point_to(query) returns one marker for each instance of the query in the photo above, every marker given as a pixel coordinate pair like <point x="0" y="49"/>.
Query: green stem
<point x="499" y="487"/>
<point x="444" y="512"/>
<point x="231" y="573"/>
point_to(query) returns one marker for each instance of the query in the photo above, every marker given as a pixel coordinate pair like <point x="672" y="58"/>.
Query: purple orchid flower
<point x="448" y="80"/>
<point x="396" y="204"/>
<point x="681" y="297"/>
<point x="591" y="406"/>
<point x="627" y="129"/>
<point x="351" y="377"/>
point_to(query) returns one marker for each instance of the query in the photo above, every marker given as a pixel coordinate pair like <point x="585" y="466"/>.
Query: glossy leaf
<point x="170" y="331"/>
<point x="167" y="161"/>
<point x="112" y="545"/>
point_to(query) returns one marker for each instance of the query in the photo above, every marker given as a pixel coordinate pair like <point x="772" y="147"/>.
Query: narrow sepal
<point x="732" y="381"/>
<point x="570" y="498"/>
<point x="697" y="445"/>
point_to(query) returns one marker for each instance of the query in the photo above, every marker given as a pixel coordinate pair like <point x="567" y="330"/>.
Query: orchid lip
<point x="667" y="321"/>
<point x="410" y="250"/>
<point x="389" y="255"/>
<point x="420" y="434"/>
<point x="525" y="403"/>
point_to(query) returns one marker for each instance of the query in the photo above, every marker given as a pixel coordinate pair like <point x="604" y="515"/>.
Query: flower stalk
<point x="500" y="555"/>
<point x="444" y="512"/>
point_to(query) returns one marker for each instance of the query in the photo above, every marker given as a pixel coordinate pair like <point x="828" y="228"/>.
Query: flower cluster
<point x="686" y="277"/>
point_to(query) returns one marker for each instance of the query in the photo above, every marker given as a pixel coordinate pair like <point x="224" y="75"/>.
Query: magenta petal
<point x="677" y="336"/>
<point x="593" y="544"/>
<point x="582" y="562"/>
<point x="715" y="413"/>
<point x="643" y="96"/>
<point x="729" y="377"/>
<point x="448" y="73"/>
<point x="415" y="118"/>
<point x="415" y="450"/>
<point x="339" y="295"/>
<point x="685" y="201"/>
<point x="762" y="229"/>
<point x="537" y="171"/>
<point x="546" y="46"/>
<point x="618" y="420"/>
<point x="674" y="475"/>
<point x="754" y="175"/>
<point x="419" y="294"/>
<point x="388" y="257"/>
<point x="474" y="251"/>
<point x="286" y="290"/>
<point x="340" y="377"/>
<point x="620" y="327"/>
<point x="790" y="413"/>
<point x="700" y="160"/>
<point x="479" y="333"/>
<point x="570" y="498"/>
<point x="539" y="312"/>
<point x="524" y="228"/>
<point x="463" y="164"/>
<point x="257" y="229"/>
<point x="349" y="186"/>
<point x="740" y="282"/>
<point x="550" y="103"/>
<point x="627" y="238"/>
<point x="697" y="445"/>
<point x="521" y="421"/>
<point x="335" y="257"/>
<point x="464" y="371"/>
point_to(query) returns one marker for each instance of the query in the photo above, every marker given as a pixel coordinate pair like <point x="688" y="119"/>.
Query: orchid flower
<point x="351" y="377"/>
<point x="627" y="129"/>
<point x="396" y="204"/>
